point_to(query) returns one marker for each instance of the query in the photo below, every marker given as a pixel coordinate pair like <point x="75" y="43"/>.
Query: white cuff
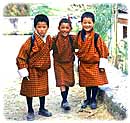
<point x="76" y="50"/>
<point x="23" y="72"/>
<point x="103" y="63"/>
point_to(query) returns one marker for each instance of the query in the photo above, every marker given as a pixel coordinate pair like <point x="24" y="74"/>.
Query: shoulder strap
<point x="71" y="42"/>
<point x="96" y="35"/>
<point x="54" y="47"/>
<point x="79" y="33"/>
<point x="32" y="41"/>
<point x="31" y="45"/>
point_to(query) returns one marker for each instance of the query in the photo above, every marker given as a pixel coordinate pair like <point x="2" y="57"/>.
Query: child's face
<point x="65" y="29"/>
<point x="87" y="24"/>
<point x="41" y="28"/>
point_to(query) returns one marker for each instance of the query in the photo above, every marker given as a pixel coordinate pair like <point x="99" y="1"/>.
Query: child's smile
<point x="87" y="24"/>
<point x="65" y="29"/>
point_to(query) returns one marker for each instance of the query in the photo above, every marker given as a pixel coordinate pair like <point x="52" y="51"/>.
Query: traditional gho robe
<point x="37" y="65"/>
<point x="89" y="74"/>
<point x="63" y="61"/>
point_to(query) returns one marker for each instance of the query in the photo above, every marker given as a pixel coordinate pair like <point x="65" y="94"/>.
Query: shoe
<point x="85" y="103"/>
<point x="65" y="106"/>
<point x="93" y="105"/>
<point x="30" y="116"/>
<point x="45" y="112"/>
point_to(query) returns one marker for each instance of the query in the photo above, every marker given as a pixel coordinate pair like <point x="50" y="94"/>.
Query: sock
<point x="67" y="90"/>
<point x="88" y="93"/>
<point x="42" y="102"/>
<point x="29" y="104"/>
<point x="94" y="92"/>
<point x="64" y="97"/>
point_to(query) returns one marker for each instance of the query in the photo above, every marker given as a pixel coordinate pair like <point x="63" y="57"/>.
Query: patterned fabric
<point x="63" y="62"/>
<point x="38" y="65"/>
<point x="89" y="74"/>
<point x="64" y="74"/>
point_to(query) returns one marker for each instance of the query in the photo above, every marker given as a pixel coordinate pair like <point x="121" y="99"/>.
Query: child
<point x="33" y="64"/>
<point x="90" y="75"/>
<point x="63" y="53"/>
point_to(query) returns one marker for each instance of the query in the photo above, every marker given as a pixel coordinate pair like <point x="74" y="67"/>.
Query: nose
<point x="42" y="28"/>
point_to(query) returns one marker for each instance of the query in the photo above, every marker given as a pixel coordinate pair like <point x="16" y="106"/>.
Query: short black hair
<point x="41" y="18"/>
<point x="65" y="20"/>
<point x="88" y="15"/>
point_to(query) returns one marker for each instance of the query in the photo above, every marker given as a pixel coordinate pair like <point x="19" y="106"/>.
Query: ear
<point x="58" y="28"/>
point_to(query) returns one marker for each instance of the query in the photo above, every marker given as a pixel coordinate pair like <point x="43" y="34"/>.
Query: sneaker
<point x="30" y="116"/>
<point x="85" y="103"/>
<point x="93" y="105"/>
<point x="45" y="112"/>
<point x="65" y="106"/>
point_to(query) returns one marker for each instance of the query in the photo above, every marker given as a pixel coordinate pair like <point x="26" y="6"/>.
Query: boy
<point x="33" y="63"/>
<point x="91" y="73"/>
<point x="63" y="53"/>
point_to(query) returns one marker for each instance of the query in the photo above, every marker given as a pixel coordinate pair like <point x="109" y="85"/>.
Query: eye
<point x="85" y="22"/>
<point x="67" y="27"/>
<point x="89" y="22"/>
<point x="44" y="26"/>
<point x="38" y="26"/>
<point x="62" y="27"/>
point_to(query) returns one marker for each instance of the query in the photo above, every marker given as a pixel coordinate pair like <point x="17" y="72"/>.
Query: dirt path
<point x="15" y="105"/>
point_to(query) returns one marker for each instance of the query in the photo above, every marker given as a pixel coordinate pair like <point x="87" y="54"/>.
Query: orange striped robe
<point x="89" y="74"/>
<point x="38" y="65"/>
<point x="64" y="62"/>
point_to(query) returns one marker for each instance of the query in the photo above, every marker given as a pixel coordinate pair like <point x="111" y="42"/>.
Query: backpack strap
<point x="71" y="42"/>
<point x="72" y="46"/>
<point x="32" y="41"/>
<point x="31" y="45"/>
<point x="79" y="33"/>
<point x="54" y="47"/>
<point x="96" y="35"/>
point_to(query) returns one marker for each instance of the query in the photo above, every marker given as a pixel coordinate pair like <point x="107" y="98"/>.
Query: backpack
<point x="96" y="35"/>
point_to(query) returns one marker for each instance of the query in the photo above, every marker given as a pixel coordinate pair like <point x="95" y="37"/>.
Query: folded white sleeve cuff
<point x="23" y="72"/>
<point x="76" y="50"/>
<point x="103" y="63"/>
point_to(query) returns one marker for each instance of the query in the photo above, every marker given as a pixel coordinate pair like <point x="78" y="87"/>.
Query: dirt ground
<point x="15" y="105"/>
